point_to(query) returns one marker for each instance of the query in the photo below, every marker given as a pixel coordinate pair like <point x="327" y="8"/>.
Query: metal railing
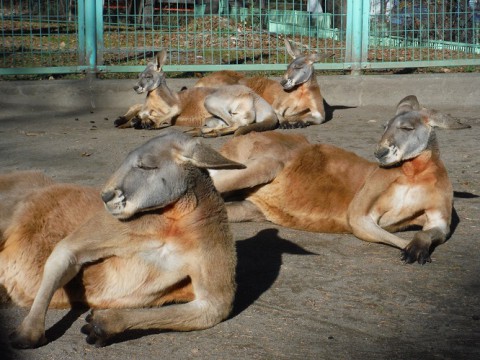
<point x="120" y="36"/>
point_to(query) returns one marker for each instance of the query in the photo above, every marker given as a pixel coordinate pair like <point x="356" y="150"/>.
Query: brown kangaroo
<point x="158" y="234"/>
<point x="212" y="111"/>
<point x="296" y="99"/>
<point x="323" y="188"/>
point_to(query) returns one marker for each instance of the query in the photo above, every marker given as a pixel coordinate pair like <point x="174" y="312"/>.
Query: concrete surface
<point x="300" y="295"/>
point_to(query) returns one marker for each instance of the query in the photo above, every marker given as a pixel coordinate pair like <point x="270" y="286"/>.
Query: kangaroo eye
<point x="146" y="167"/>
<point x="407" y="128"/>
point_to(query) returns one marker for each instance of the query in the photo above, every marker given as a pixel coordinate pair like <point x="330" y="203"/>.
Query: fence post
<point x="90" y="34"/>
<point x="81" y="32"/>
<point x="100" y="48"/>
<point x="358" y="13"/>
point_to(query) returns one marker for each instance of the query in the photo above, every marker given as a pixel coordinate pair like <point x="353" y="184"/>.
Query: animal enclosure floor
<point x="300" y="295"/>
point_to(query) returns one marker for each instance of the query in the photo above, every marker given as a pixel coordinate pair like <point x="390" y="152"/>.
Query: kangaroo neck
<point x="420" y="163"/>
<point x="164" y="93"/>
<point x="311" y="82"/>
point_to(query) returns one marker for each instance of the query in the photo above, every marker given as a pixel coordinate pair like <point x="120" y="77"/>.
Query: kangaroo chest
<point x="402" y="202"/>
<point x="164" y="256"/>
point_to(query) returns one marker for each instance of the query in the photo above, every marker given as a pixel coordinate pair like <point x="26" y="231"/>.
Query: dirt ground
<point x="300" y="295"/>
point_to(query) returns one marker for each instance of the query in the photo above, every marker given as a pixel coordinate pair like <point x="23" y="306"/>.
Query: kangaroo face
<point x="405" y="137"/>
<point x="149" y="178"/>
<point x="148" y="80"/>
<point x="298" y="72"/>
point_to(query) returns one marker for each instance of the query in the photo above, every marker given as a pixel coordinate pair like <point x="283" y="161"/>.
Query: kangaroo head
<point x="159" y="173"/>
<point x="152" y="77"/>
<point x="411" y="132"/>
<point x="406" y="136"/>
<point x="301" y="69"/>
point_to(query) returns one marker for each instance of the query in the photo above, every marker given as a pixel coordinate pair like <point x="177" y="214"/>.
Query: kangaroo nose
<point x="108" y="195"/>
<point x="380" y="152"/>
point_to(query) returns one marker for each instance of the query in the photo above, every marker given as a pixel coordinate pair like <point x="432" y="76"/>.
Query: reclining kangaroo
<point x="323" y="188"/>
<point x="220" y="111"/>
<point x="159" y="236"/>
<point x="296" y="99"/>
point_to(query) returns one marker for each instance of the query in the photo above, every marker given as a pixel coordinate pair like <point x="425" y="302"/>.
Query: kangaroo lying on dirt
<point x="213" y="111"/>
<point x="159" y="236"/>
<point x="296" y="99"/>
<point x="323" y="188"/>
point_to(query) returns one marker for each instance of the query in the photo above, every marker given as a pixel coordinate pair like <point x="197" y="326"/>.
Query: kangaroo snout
<point x="381" y="152"/>
<point x="113" y="198"/>
<point x="138" y="89"/>
<point x="108" y="195"/>
<point x="287" y="83"/>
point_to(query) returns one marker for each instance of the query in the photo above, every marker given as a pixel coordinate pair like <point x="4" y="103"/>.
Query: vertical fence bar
<point x="99" y="32"/>
<point x="81" y="32"/>
<point x="90" y="35"/>
<point x="357" y="31"/>
<point x="353" y="36"/>
<point x="365" y="30"/>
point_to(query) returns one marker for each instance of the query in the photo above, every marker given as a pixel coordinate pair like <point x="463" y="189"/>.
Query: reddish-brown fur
<point x="297" y="100"/>
<point x="226" y="77"/>
<point x="323" y="188"/>
<point x="211" y="112"/>
<point x="156" y="234"/>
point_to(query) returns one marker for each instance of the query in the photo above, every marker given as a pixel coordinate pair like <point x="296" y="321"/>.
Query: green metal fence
<point x="114" y="36"/>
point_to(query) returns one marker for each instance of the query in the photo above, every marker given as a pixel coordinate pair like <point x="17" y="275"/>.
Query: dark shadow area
<point x="6" y="352"/>
<point x="454" y="223"/>
<point x="329" y="109"/>
<point x="125" y="336"/>
<point x="404" y="71"/>
<point x="259" y="263"/>
<point x="464" y="195"/>
<point x="61" y="326"/>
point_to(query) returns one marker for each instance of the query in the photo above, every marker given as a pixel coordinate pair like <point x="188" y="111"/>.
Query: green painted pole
<point x="90" y="36"/>
<point x="81" y="32"/>
<point x="99" y="33"/>
<point x="365" y="23"/>
<point x="357" y="34"/>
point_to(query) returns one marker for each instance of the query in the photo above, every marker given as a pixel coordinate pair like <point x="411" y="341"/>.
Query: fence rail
<point x="108" y="36"/>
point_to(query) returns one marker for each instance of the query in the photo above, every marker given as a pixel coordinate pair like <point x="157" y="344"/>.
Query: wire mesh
<point x="203" y="35"/>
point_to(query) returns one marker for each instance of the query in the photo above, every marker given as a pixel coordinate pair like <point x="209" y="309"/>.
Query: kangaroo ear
<point x="205" y="157"/>
<point x="313" y="58"/>
<point x="408" y="103"/>
<point x="292" y="49"/>
<point x="442" y="121"/>
<point x="160" y="59"/>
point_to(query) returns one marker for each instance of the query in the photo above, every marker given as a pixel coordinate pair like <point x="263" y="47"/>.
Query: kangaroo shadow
<point x="329" y="109"/>
<point x="259" y="263"/>
<point x="455" y="218"/>
<point x="464" y="195"/>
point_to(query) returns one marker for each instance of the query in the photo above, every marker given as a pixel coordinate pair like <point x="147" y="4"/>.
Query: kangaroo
<point x="323" y="188"/>
<point x="212" y="111"/>
<point x="156" y="234"/>
<point x="296" y="99"/>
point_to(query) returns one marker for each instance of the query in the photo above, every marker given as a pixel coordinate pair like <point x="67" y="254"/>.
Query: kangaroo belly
<point x="313" y="192"/>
